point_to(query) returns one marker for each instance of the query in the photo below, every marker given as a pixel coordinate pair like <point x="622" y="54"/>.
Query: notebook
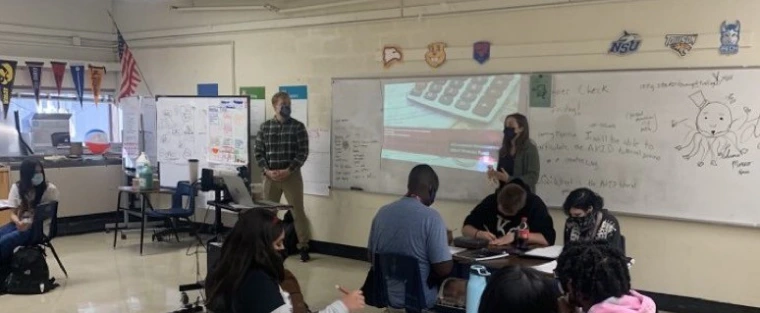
<point x="547" y="268"/>
<point x="551" y="252"/>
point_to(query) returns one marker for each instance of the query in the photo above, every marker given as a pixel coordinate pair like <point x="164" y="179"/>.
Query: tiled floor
<point x="104" y="280"/>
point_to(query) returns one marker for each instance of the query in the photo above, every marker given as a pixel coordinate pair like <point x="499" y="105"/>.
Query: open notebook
<point x="551" y="252"/>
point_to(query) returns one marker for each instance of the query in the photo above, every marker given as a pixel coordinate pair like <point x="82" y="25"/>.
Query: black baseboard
<point x="665" y="302"/>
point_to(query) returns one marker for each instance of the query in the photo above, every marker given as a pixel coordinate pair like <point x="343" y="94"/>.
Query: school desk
<point x="145" y="203"/>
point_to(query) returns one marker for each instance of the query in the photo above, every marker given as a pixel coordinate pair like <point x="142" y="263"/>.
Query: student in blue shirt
<point x="409" y="226"/>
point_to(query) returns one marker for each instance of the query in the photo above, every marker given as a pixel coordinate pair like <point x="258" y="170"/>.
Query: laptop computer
<point x="241" y="196"/>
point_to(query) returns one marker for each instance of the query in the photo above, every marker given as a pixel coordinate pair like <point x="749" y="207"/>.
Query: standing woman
<point x="30" y="191"/>
<point x="518" y="156"/>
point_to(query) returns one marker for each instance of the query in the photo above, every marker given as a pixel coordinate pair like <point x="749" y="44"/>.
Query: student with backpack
<point x="31" y="190"/>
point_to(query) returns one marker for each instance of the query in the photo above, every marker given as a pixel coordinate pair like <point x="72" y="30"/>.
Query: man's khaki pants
<point x="292" y="187"/>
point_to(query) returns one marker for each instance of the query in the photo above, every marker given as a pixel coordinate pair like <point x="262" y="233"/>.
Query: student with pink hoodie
<point x="595" y="277"/>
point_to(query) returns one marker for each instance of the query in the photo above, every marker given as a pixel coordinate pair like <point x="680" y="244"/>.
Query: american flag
<point x="130" y="76"/>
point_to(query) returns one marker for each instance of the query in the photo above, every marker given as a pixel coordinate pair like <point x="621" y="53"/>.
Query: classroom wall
<point x="681" y="258"/>
<point x="45" y="28"/>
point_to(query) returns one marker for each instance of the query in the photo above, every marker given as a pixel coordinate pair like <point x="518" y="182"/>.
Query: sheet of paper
<point x="316" y="171"/>
<point x="552" y="252"/>
<point x="455" y="250"/>
<point x="130" y="123"/>
<point x="546" y="268"/>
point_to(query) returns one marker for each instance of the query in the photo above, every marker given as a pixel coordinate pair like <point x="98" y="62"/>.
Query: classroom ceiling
<point x="318" y="7"/>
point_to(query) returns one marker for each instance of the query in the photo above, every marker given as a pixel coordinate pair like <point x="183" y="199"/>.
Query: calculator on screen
<point x="477" y="98"/>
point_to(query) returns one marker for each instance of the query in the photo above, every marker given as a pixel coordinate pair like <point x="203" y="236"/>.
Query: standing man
<point x="281" y="148"/>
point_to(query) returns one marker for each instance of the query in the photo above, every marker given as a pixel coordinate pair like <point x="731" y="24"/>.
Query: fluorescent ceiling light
<point x="325" y="6"/>
<point x="222" y="8"/>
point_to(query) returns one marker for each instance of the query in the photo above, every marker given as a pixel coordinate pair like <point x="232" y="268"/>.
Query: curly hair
<point x="596" y="271"/>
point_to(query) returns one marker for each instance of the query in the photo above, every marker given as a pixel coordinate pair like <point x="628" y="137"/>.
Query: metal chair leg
<point x="55" y="254"/>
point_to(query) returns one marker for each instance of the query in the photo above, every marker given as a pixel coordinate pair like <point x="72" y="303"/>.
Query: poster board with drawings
<point x="213" y="130"/>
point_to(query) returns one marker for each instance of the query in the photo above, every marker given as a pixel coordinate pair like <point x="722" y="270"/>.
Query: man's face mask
<point x="285" y="110"/>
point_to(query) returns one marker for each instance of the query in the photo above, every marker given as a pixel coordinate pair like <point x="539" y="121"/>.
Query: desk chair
<point x="45" y="228"/>
<point x="401" y="268"/>
<point x="177" y="211"/>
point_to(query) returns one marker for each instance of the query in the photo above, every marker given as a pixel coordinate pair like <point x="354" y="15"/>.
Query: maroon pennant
<point x="59" y="69"/>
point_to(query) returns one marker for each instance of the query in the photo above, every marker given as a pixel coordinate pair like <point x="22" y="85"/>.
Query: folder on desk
<point x="482" y="255"/>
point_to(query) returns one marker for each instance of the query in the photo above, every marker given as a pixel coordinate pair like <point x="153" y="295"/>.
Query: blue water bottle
<point x="475" y="286"/>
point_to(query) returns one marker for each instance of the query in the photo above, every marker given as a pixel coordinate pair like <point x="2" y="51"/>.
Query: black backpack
<point x="29" y="273"/>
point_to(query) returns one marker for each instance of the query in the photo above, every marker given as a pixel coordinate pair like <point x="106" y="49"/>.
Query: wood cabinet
<point x="5" y="187"/>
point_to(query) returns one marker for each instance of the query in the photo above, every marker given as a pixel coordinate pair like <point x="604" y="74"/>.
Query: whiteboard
<point x="681" y="144"/>
<point x="358" y="139"/>
<point x="213" y="130"/>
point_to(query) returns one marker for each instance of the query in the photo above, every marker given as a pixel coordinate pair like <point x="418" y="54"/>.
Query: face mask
<point x="509" y="132"/>
<point x="37" y="179"/>
<point x="584" y="222"/>
<point x="283" y="254"/>
<point x="285" y="111"/>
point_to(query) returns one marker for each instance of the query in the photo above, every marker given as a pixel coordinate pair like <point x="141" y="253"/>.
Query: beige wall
<point x="683" y="258"/>
<point x="84" y="190"/>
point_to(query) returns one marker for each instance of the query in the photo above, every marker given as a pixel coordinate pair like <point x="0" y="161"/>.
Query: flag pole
<point x="150" y="92"/>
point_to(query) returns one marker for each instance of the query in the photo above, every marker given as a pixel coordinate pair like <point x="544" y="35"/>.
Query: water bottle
<point x="475" y="286"/>
<point x="523" y="232"/>
<point x="144" y="172"/>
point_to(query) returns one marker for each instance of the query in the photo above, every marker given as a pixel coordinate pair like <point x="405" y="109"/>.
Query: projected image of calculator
<point x="476" y="98"/>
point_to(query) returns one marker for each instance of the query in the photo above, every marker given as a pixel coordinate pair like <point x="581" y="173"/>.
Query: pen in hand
<point x="341" y="289"/>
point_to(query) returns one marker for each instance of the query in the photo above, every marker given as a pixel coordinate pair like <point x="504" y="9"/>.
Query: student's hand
<point x="354" y="300"/>
<point x="22" y="227"/>
<point x="485" y="235"/>
<point x="501" y="175"/>
<point x="564" y="305"/>
<point x="504" y="240"/>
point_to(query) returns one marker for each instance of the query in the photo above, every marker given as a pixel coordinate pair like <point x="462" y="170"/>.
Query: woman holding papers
<point x="587" y="220"/>
<point x="518" y="155"/>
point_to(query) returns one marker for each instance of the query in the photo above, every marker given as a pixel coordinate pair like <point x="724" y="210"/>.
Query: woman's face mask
<point x="37" y="179"/>
<point x="509" y="132"/>
<point x="585" y="220"/>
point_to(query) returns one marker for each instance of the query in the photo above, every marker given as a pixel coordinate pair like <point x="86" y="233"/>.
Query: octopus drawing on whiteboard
<point x="715" y="133"/>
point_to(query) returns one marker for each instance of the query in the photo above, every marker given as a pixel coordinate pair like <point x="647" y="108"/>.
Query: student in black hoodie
<point x="499" y="213"/>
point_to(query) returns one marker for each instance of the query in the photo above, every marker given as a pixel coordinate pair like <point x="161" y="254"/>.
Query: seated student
<point x="250" y="272"/>
<point x="596" y="278"/>
<point x="498" y="215"/>
<point x="409" y="226"/>
<point x="588" y="220"/>
<point x="519" y="289"/>
<point x="30" y="191"/>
